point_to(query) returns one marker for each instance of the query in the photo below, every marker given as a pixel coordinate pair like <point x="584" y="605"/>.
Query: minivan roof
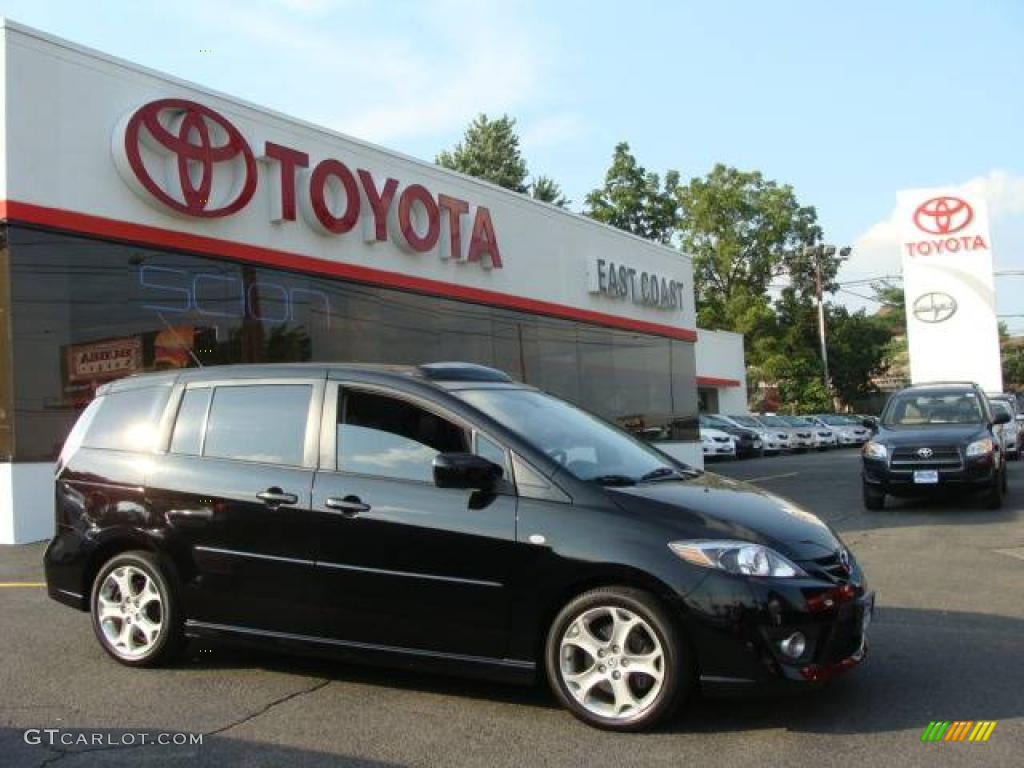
<point x="446" y="375"/>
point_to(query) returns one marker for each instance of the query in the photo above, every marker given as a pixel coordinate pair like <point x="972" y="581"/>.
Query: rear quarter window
<point x="127" y="420"/>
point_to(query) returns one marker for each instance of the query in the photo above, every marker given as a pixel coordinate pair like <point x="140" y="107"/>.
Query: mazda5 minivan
<point x="441" y="517"/>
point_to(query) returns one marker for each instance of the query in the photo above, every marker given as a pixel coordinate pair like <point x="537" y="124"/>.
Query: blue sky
<point x="847" y="102"/>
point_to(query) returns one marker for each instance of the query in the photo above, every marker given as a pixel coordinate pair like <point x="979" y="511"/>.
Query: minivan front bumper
<point x="739" y="627"/>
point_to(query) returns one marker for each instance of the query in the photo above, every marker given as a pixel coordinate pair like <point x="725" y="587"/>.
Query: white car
<point x="800" y="439"/>
<point x="822" y="438"/>
<point x="769" y="438"/>
<point x="848" y="429"/>
<point x="715" y="442"/>
<point x="1014" y="431"/>
<point x="1009" y="432"/>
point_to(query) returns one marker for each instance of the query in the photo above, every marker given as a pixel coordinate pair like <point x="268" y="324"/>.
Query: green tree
<point x="547" y="189"/>
<point x="635" y="199"/>
<point x="745" y="232"/>
<point x="489" y="150"/>
<point x="857" y="347"/>
<point x="1013" y="369"/>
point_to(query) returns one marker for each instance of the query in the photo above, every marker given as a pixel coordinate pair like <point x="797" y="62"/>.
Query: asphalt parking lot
<point x="947" y="644"/>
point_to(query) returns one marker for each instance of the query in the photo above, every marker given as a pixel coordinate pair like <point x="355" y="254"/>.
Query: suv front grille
<point x="942" y="457"/>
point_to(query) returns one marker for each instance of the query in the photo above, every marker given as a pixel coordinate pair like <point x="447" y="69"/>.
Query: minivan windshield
<point x="915" y="409"/>
<point x="585" y="445"/>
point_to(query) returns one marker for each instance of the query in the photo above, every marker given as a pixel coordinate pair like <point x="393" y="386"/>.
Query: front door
<point x="402" y="562"/>
<point x="235" y="491"/>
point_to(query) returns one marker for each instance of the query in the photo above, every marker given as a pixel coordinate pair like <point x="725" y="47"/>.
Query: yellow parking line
<point x="22" y="584"/>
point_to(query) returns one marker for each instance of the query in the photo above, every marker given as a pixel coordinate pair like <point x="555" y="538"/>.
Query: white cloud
<point x="877" y="251"/>
<point x="552" y="131"/>
<point x="381" y="81"/>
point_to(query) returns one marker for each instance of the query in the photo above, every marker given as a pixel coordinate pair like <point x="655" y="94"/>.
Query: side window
<point x="127" y="420"/>
<point x="188" y="427"/>
<point x="380" y="435"/>
<point x="259" y="422"/>
<point x="491" y="451"/>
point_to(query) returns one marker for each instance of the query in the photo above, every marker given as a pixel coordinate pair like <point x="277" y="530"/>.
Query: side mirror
<point x="465" y="470"/>
<point x="870" y="422"/>
<point x="1001" y="418"/>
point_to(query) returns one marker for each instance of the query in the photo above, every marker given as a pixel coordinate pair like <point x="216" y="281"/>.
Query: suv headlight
<point x="739" y="557"/>
<point x="980" y="447"/>
<point x="873" y="450"/>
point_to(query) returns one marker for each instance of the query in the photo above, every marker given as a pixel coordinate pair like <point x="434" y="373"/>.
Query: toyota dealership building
<point x="149" y="223"/>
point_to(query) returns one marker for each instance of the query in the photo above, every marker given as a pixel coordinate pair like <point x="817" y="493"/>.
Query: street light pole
<point x="817" y="253"/>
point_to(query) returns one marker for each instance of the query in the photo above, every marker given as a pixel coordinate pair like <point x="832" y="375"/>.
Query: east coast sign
<point x="627" y="283"/>
<point x="189" y="160"/>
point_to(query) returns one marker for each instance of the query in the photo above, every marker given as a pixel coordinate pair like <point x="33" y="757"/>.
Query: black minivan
<point x="439" y="516"/>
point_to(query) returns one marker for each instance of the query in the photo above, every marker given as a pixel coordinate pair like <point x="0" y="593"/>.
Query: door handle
<point x="274" y="497"/>
<point x="350" y="506"/>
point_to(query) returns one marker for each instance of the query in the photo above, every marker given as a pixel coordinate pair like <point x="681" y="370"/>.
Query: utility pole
<point x="817" y="253"/>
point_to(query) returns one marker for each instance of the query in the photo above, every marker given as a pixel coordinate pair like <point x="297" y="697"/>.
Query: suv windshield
<point x="914" y="409"/>
<point x="586" y="446"/>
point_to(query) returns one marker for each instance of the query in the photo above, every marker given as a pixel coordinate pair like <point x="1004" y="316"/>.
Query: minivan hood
<point x="714" y="507"/>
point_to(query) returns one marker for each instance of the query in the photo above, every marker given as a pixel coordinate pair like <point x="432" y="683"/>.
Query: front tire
<point x="134" y="610"/>
<point x="994" y="495"/>
<point x="874" y="498"/>
<point x="616" y="660"/>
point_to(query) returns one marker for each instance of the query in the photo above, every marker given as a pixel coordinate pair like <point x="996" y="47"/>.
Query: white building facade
<point x="149" y="223"/>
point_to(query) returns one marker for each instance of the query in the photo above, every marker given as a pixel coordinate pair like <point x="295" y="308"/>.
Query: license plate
<point x="926" y="476"/>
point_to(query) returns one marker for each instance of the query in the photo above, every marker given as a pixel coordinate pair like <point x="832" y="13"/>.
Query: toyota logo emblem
<point x="934" y="307"/>
<point x="925" y="453"/>
<point x="186" y="156"/>
<point x="943" y="215"/>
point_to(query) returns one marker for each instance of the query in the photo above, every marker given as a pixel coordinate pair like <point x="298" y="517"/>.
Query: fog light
<point x="794" y="645"/>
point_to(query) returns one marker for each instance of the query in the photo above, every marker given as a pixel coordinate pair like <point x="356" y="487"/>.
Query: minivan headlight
<point x="738" y="557"/>
<point x="981" y="447"/>
<point x="873" y="450"/>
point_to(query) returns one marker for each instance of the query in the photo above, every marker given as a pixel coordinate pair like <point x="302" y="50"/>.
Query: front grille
<point x="804" y="435"/>
<point x="844" y="639"/>
<point x="829" y="567"/>
<point x="942" y="457"/>
<point x="720" y="439"/>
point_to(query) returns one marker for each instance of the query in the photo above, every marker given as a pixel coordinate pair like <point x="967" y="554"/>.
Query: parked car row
<point x="748" y="435"/>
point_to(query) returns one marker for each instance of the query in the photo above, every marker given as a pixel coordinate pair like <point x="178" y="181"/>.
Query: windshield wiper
<point x="660" y="472"/>
<point x="613" y="480"/>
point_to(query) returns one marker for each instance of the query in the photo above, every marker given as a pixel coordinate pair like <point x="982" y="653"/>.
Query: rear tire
<point x="874" y="498"/>
<point x="616" y="660"/>
<point x="135" y="612"/>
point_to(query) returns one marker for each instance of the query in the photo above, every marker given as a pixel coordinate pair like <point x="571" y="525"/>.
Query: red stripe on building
<point x="142" y="234"/>
<point x="711" y="381"/>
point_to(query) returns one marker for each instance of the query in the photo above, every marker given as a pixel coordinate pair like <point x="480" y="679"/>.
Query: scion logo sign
<point x="943" y="215"/>
<point x="198" y="162"/>
<point x="186" y="157"/>
<point x="934" y="307"/>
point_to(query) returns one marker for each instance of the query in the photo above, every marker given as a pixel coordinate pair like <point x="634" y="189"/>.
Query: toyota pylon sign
<point x="947" y="280"/>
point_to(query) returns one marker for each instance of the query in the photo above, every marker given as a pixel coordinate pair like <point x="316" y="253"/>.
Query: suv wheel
<point x="874" y="498"/>
<point x="134" y="612"/>
<point x="616" y="661"/>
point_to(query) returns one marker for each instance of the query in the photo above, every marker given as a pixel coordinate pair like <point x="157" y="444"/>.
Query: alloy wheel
<point x="130" y="611"/>
<point x="612" y="662"/>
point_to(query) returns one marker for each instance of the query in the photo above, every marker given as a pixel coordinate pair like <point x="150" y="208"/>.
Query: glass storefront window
<point x="84" y="312"/>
